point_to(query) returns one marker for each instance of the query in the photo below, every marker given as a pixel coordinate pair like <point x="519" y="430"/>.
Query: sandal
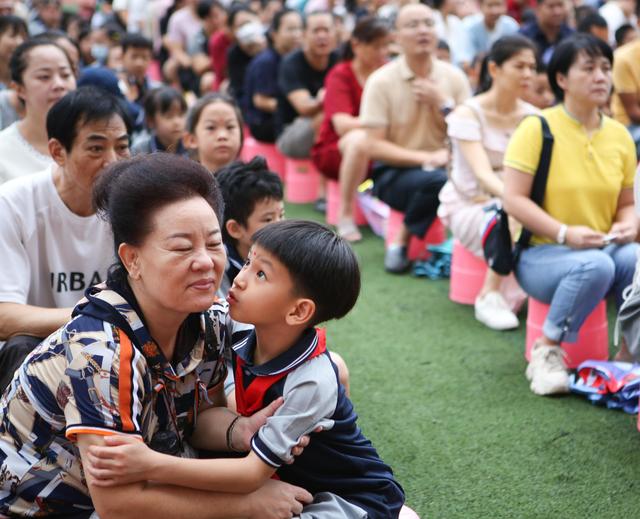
<point x="348" y="230"/>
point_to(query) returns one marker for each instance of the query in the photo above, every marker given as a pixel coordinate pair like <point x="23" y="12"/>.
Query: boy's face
<point x="265" y="211"/>
<point x="136" y="61"/>
<point x="262" y="293"/>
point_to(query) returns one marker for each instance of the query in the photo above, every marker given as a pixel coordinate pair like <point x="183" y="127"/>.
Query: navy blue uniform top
<point x="261" y="78"/>
<point x="339" y="459"/>
<point x="545" y="47"/>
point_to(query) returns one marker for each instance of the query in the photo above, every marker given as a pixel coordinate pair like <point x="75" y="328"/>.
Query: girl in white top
<point x="479" y="131"/>
<point x="42" y="74"/>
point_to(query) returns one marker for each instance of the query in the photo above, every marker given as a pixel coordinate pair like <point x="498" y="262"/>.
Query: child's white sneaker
<point x="494" y="312"/>
<point x="547" y="370"/>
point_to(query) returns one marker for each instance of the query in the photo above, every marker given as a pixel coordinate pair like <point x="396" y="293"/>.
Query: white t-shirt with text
<point x="50" y="255"/>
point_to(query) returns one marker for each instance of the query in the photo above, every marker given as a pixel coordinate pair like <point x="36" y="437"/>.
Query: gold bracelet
<point x="230" y="432"/>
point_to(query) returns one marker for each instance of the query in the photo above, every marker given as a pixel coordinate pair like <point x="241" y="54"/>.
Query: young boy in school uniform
<point x="297" y="275"/>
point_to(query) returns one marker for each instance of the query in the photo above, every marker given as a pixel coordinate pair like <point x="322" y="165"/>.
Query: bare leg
<point x="492" y="282"/>
<point x="623" y="355"/>
<point x="353" y="170"/>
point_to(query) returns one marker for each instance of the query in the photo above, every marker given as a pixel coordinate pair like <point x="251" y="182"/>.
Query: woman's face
<point x="179" y="265"/>
<point x="588" y="80"/>
<point x="47" y="78"/>
<point x="217" y="135"/>
<point x="288" y="37"/>
<point x="516" y="74"/>
<point x="372" y="55"/>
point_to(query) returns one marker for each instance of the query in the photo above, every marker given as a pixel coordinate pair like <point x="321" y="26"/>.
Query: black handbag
<point x="498" y="250"/>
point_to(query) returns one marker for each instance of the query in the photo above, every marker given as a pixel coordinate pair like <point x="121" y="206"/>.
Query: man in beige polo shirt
<point x="403" y="110"/>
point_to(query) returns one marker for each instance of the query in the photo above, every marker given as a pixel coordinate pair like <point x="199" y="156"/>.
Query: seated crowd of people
<point x="152" y="290"/>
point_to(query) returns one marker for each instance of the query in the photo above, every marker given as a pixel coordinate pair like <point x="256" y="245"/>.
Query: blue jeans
<point x="574" y="281"/>
<point x="634" y="130"/>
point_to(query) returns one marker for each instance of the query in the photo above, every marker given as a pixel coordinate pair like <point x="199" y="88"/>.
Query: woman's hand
<point x="124" y="459"/>
<point x="582" y="237"/>
<point x="626" y="232"/>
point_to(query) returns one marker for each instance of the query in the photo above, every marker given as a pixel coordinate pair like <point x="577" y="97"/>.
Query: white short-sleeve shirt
<point x="50" y="255"/>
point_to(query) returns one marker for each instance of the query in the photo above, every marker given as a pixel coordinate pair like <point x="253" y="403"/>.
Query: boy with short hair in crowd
<point x="298" y="274"/>
<point x="253" y="197"/>
<point x="137" y="53"/>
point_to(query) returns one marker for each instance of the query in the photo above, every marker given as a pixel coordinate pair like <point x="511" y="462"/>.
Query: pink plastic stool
<point x="275" y="160"/>
<point x="417" y="249"/>
<point x="467" y="275"/>
<point x="407" y="513"/>
<point x="333" y="205"/>
<point x="593" y="337"/>
<point x="302" y="181"/>
<point x="154" y="70"/>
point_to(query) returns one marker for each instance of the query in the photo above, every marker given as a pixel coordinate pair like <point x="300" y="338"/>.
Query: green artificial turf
<point x="446" y="403"/>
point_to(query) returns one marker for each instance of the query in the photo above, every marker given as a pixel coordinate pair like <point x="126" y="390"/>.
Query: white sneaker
<point x="493" y="311"/>
<point x="547" y="371"/>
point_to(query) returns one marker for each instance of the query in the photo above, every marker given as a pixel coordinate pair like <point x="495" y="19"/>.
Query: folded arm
<point x="20" y="319"/>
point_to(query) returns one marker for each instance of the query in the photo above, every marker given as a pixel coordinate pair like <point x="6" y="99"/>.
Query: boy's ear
<point x="301" y="313"/>
<point x="234" y="229"/>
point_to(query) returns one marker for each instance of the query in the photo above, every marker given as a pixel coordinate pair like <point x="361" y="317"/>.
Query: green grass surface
<point x="446" y="403"/>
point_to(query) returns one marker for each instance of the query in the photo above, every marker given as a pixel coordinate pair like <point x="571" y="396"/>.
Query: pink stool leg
<point x="302" y="181"/>
<point x="417" y="249"/>
<point x="593" y="337"/>
<point x="333" y="205"/>
<point x="467" y="275"/>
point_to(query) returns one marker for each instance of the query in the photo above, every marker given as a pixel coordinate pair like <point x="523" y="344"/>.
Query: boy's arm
<point x="274" y="500"/>
<point x="310" y="400"/>
<point x="233" y="475"/>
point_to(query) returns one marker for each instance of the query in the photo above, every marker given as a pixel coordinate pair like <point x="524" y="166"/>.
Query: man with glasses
<point x="404" y="105"/>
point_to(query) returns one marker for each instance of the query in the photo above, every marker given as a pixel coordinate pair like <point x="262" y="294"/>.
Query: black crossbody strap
<point x="540" y="179"/>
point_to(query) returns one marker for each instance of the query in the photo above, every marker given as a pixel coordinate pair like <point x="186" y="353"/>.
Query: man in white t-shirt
<point x="53" y="245"/>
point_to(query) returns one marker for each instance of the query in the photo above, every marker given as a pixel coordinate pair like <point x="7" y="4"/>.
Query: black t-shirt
<point x="237" y="63"/>
<point x="295" y="74"/>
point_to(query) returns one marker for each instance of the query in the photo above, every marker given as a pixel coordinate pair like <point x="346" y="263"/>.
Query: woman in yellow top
<point x="582" y="248"/>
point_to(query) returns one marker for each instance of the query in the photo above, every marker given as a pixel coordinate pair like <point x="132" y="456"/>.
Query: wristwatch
<point x="562" y="234"/>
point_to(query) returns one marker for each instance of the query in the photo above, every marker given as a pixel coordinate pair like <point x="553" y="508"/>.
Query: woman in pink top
<point x="479" y="131"/>
<point x="340" y="148"/>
